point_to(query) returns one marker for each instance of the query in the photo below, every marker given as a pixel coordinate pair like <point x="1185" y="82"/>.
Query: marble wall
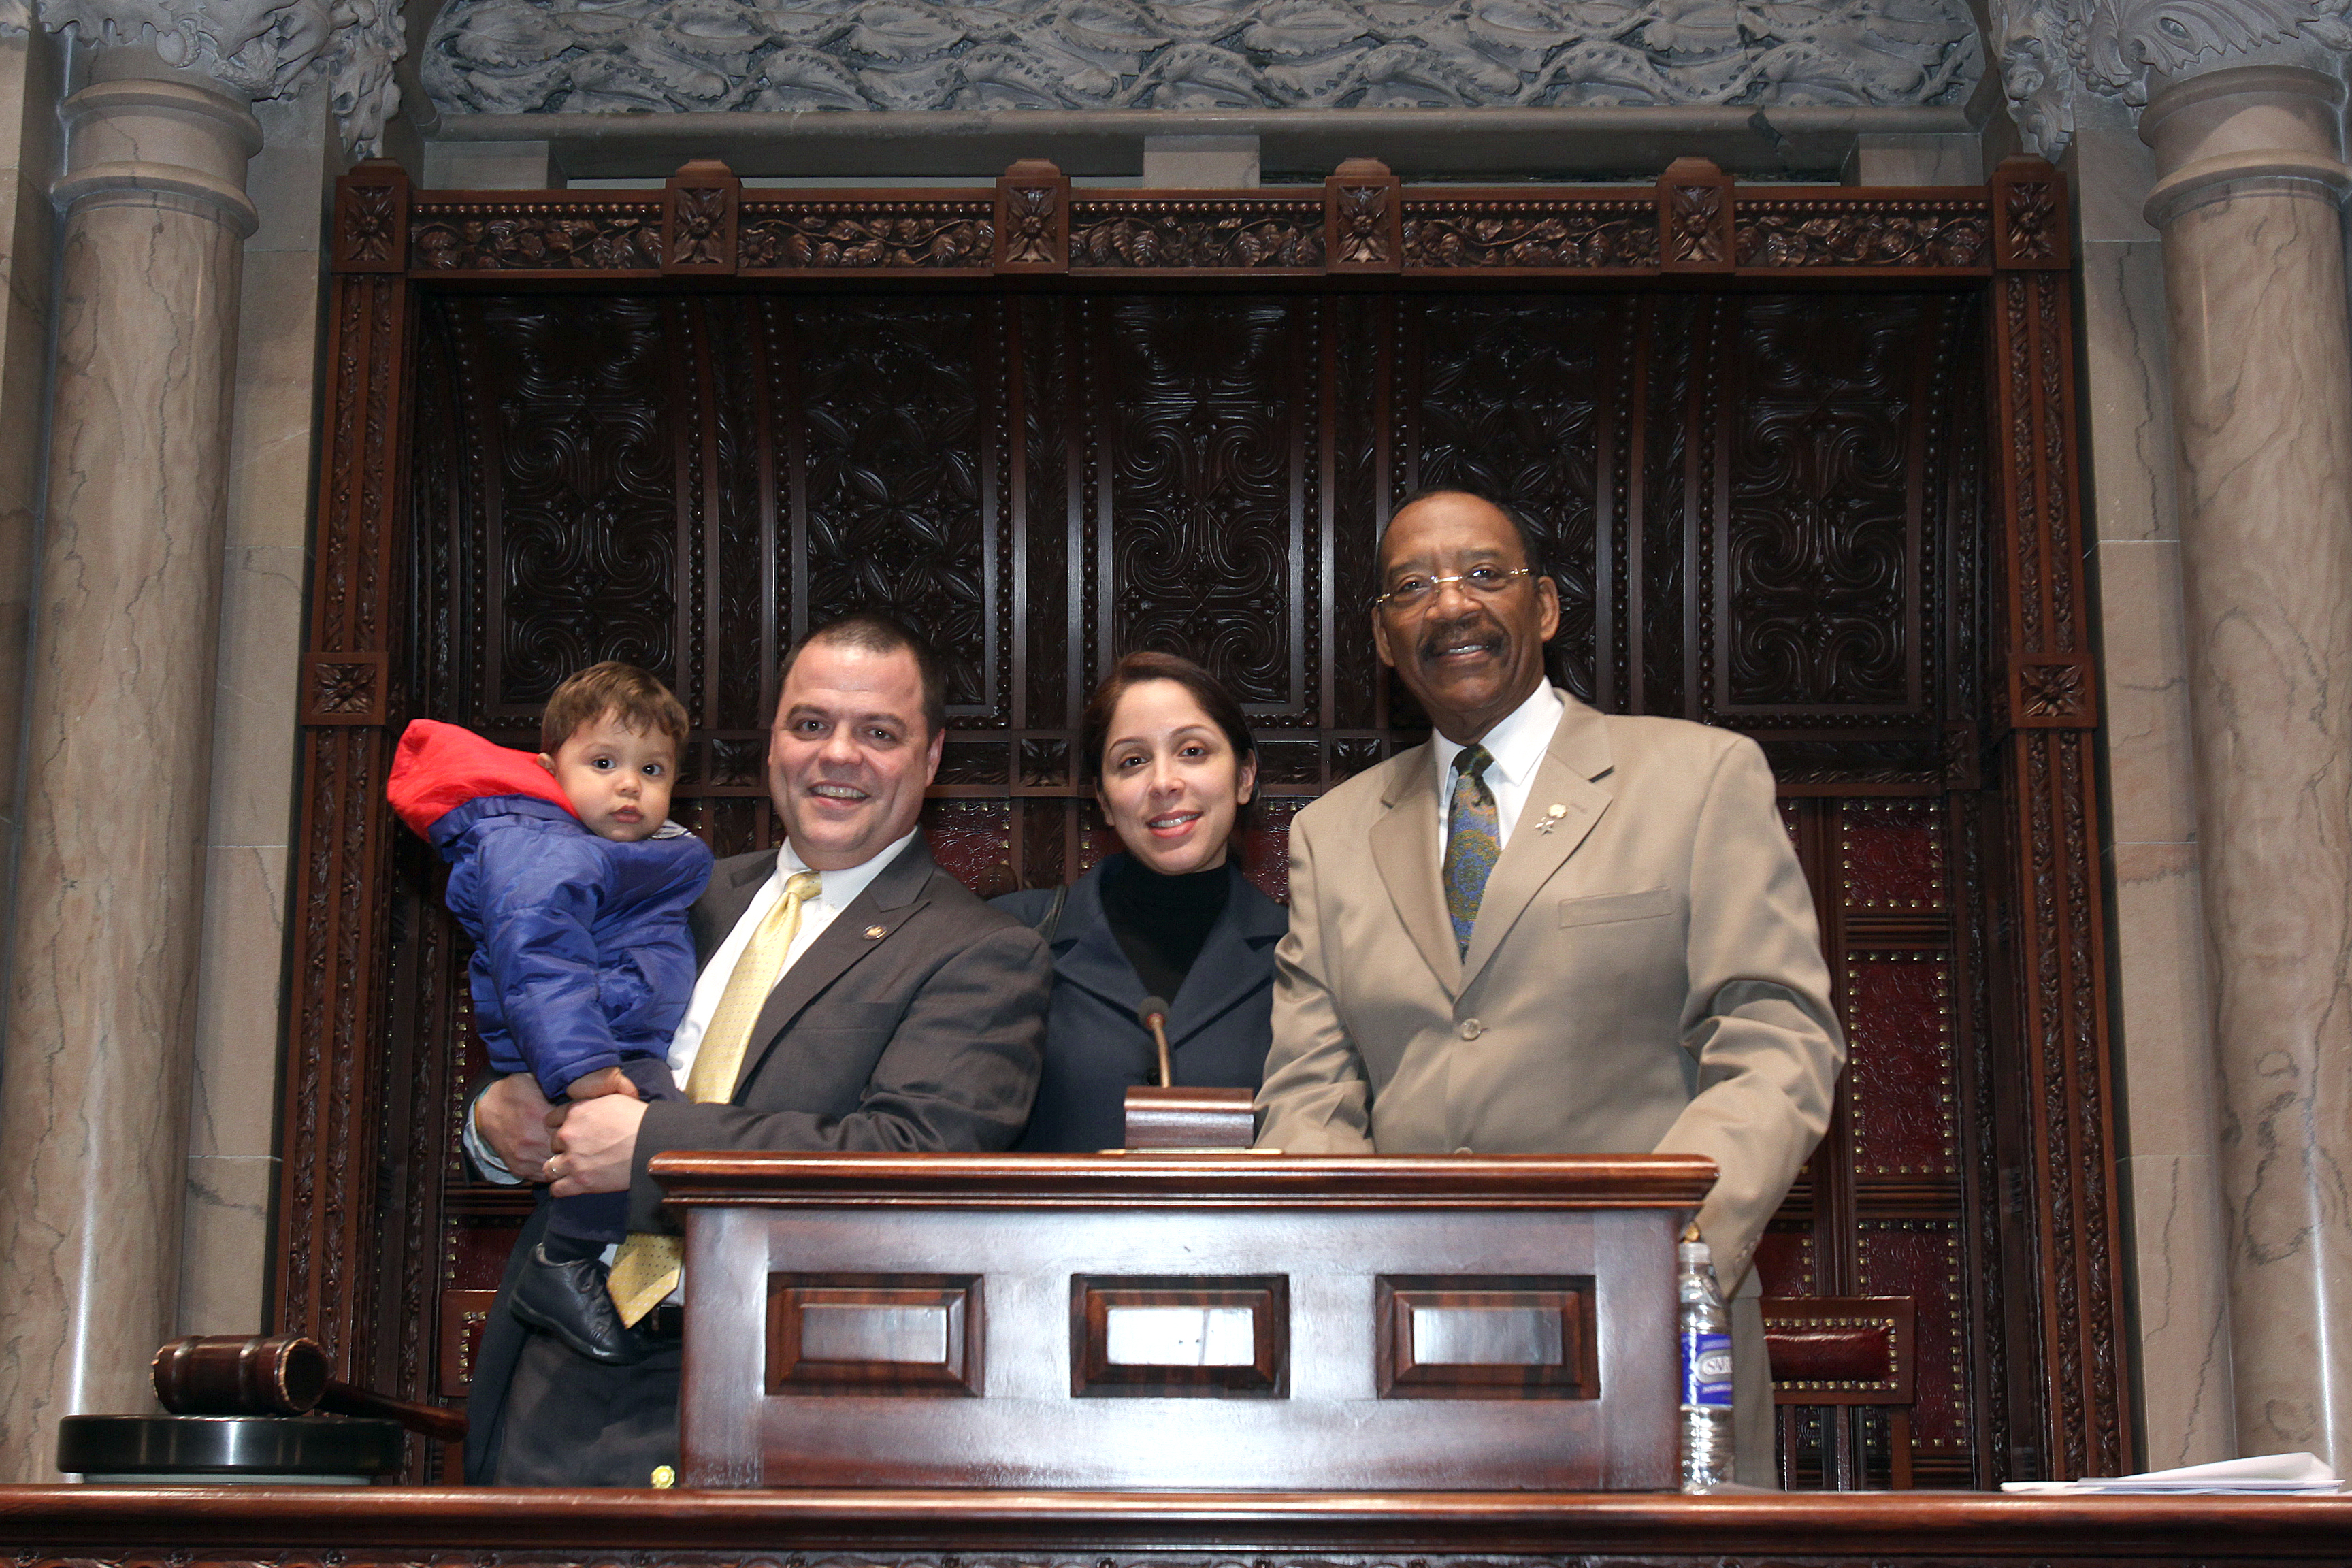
<point x="273" y="475"/>
<point x="2163" y="1023"/>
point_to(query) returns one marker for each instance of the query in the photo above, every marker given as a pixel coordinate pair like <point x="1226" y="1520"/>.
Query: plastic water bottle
<point x="1707" y="1368"/>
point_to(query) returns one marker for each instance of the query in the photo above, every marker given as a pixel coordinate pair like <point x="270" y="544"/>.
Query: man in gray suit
<point x="851" y="996"/>
<point x="1574" y="933"/>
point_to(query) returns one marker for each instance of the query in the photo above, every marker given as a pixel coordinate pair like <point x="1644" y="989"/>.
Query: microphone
<point x="1154" y="1015"/>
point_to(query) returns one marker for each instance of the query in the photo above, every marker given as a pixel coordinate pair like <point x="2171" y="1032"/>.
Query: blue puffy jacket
<point x="582" y="955"/>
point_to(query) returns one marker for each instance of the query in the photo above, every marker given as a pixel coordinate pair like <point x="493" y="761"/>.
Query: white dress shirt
<point x="839" y="890"/>
<point x="1517" y="743"/>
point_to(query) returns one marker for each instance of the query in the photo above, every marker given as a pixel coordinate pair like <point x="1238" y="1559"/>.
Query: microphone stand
<point x="1154" y="1014"/>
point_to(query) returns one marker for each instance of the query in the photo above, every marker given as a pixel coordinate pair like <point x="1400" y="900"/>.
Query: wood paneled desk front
<point x="1220" y="1322"/>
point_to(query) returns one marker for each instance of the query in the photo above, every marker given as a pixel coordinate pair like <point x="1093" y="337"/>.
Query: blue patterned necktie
<point x="1472" y="841"/>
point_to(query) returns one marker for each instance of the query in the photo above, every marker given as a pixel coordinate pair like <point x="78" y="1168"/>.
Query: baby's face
<point x="616" y="778"/>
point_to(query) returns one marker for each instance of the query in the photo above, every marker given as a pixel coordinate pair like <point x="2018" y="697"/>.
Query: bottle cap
<point x="1693" y="1250"/>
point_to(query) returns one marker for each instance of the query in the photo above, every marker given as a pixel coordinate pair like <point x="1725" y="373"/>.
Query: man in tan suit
<point x="1573" y="932"/>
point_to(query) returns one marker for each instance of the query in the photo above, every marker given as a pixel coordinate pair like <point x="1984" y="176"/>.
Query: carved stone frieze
<point x="2054" y="53"/>
<point x="260" y="49"/>
<point x="614" y="55"/>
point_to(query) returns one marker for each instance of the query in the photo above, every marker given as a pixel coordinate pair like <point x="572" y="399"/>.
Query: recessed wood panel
<point x="873" y="1333"/>
<point x="1486" y="1337"/>
<point x="1179" y="1335"/>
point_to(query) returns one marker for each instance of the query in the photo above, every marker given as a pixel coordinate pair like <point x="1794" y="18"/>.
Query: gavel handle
<point x="425" y="1420"/>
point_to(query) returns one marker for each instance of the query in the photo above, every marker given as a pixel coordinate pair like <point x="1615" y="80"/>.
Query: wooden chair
<point x="1830" y="1354"/>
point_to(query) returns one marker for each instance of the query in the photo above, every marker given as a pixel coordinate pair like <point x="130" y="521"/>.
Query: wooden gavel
<point x="278" y="1375"/>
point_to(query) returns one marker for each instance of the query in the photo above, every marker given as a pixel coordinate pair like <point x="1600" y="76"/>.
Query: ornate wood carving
<point x="944" y="236"/>
<point x="372" y="219"/>
<point x="1197" y="235"/>
<point x="547" y="236"/>
<point x="328" y="1208"/>
<point x="1770" y="508"/>
<point x="1818" y="603"/>
<point x="2047" y="647"/>
<point x="1033" y="218"/>
<point x="2029" y="210"/>
<point x="1605" y="234"/>
<point x="1361" y="222"/>
<point x="1815" y="235"/>
<point x="698" y="218"/>
<point x="1695" y="228"/>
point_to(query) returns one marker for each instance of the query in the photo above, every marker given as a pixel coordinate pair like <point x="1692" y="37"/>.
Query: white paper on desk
<point x="2294" y="1475"/>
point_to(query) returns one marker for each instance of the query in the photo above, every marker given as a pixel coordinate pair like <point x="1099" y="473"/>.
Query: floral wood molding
<point x="2050" y="52"/>
<point x="508" y="57"/>
<point x="258" y="47"/>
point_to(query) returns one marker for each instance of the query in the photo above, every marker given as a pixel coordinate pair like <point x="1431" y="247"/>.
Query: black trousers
<point x="573" y="1421"/>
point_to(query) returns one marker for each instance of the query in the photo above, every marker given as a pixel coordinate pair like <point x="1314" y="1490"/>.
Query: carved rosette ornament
<point x="1695" y="222"/>
<point x="700" y="213"/>
<point x="1362" y="224"/>
<point x="2052" y="54"/>
<point x="1032" y="224"/>
<point x="256" y="48"/>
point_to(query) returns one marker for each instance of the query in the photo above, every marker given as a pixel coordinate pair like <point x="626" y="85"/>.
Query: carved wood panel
<point x="1836" y="520"/>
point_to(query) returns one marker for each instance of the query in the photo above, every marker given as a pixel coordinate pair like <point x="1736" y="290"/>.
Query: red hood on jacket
<point x="440" y="767"/>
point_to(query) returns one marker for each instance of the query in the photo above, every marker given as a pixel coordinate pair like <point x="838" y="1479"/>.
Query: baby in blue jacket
<point x="566" y="872"/>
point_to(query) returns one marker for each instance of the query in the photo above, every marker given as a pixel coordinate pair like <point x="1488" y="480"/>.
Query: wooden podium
<point x="1225" y="1322"/>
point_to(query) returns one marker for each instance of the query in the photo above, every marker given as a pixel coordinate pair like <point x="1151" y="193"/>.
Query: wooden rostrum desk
<point x="1296" y="1460"/>
<point x="1215" y="1321"/>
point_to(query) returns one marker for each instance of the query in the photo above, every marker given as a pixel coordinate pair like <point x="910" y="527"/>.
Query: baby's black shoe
<point x="568" y="1298"/>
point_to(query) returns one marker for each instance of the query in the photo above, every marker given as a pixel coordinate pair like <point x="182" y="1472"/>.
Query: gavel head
<point x="240" y="1374"/>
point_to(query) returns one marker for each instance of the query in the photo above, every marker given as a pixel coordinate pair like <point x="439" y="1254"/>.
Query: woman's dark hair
<point x="1094" y="729"/>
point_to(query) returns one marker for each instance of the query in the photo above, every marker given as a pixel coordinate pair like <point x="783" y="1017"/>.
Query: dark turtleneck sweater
<point x="1161" y="921"/>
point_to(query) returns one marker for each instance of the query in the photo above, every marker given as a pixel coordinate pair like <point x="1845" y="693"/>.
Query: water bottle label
<point x="1706" y="1369"/>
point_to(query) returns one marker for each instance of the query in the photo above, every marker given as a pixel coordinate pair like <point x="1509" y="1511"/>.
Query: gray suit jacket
<point x="926" y="1037"/>
<point x="1644" y="975"/>
<point x="1645" y="972"/>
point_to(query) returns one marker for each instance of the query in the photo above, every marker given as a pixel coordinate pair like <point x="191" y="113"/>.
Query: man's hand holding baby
<point x="595" y="1141"/>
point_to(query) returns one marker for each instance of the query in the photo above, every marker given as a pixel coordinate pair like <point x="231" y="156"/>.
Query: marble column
<point x="2250" y="182"/>
<point x="2171" y="1132"/>
<point x="102" y="997"/>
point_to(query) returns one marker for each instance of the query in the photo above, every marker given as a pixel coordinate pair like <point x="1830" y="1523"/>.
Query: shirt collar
<point x="1516" y="742"/>
<point x="841" y="889"/>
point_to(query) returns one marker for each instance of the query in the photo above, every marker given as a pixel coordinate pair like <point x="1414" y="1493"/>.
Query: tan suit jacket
<point x="1645" y="972"/>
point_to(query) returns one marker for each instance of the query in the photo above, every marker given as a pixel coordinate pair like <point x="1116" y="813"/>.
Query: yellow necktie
<point x="645" y="1269"/>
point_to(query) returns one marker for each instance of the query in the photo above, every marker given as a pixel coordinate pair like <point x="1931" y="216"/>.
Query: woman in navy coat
<point x="1170" y="915"/>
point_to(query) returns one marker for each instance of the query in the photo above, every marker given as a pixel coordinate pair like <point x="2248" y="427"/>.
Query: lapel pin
<point x="875" y="934"/>
<point x="1552" y="813"/>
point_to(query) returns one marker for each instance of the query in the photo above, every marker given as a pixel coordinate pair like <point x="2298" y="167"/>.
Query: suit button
<point x="1470" y="1028"/>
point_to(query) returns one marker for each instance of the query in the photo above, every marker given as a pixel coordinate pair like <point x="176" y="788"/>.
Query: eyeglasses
<point x="1411" y="592"/>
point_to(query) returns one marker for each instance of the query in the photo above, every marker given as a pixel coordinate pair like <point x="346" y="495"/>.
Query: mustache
<point x="1437" y="639"/>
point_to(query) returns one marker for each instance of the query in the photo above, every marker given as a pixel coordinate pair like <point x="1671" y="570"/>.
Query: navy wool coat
<point x="1219" y="1022"/>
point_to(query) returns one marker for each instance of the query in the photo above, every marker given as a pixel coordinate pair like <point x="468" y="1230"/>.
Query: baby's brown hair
<point x="635" y="698"/>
